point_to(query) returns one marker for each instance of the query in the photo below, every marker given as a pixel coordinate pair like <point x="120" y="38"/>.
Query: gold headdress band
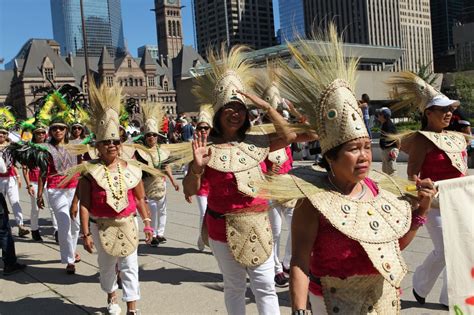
<point x="267" y="87"/>
<point x="323" y="89"/>
<point x="206" y="113"/>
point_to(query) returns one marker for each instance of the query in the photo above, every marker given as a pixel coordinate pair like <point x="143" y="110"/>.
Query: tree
<point x="425" y="72"/>
<point x="465" y="89"/>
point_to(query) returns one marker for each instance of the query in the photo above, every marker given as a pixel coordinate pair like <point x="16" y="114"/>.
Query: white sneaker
<point x="113" y="308"/>
<point x="200" y="244"/>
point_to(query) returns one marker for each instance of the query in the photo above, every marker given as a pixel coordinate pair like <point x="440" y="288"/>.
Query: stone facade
<point x="39" y="64"/>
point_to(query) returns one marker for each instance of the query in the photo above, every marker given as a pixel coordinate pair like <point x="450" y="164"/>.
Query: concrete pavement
<point x="175" y="278"/>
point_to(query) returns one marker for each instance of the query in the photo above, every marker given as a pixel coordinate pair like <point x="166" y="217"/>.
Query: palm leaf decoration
<point x="28" y="153"/>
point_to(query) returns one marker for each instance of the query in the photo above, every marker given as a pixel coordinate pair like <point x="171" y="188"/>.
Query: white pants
<point x="427" y="273"/>
<point x="235" y="282"/>
<point x="128" y="267"/>
<point x="158" y="215"/>
<point x="9" y="188"/>
<point x="317" y="304"/>
<point x="68" y="229"/>
<point x="202" y="204"/>
<point x="276" y="213"/>
<point x="35" y="210"/>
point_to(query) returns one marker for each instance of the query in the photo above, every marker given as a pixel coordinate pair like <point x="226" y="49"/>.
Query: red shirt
<point x="99" y="207"/>
<point x="437" y="166"/>
<point x="10" y="172"/>
<point x="286" y="166"/>
<point x="54" y="179"/>
<point x="334" y="254"/>
<point x="204" y="189"/>
<point x="224" y="197"/>
<point x="33" y="174"/>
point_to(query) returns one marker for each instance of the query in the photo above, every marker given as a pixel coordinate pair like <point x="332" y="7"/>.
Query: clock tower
<point x="169" y="27"/>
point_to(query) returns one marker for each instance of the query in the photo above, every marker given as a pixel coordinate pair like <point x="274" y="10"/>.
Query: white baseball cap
<point x="443" y="101"/>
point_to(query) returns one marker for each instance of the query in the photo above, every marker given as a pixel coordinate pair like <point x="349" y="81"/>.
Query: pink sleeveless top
<point x="285" y="167"/>
<point x="33" y="174"/>
<point x="100" y="208"/>
<point x="437" y="166"/>
<point x="204" y="189"/>
<point x="54" y="179"/>
<point x="9" y="173"/>
<point x="334" y="254"/>
<point x="224" y="197"/>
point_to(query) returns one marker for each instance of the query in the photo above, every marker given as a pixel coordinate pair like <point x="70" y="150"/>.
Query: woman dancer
<point x="347" y="232"/>
<point x="110" y="192"/>
<point x="432" y="153"/>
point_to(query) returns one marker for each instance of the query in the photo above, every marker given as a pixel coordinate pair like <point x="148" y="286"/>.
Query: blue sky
<point x="24" y="19"/>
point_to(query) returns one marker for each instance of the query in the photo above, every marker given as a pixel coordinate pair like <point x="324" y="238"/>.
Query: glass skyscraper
<point x="291" y="19"/>
<point x="104" y="27"/>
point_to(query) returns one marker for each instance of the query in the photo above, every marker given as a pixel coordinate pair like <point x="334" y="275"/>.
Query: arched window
<point x="169" y="28"/>
<point x="178" y="27"/>
<point x="165" y="86"/>
<point x="130" y="81"/>
<point x="174" y="28"/>
<point x="136" y="82"/>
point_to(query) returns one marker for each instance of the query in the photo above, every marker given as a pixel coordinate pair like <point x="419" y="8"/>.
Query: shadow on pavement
<point x="49" y="276"/>
<point x="39" y="306"/>
<point x="427" y="306"/>
<point x="177" y="276"/>
<point x="144" y="249"/>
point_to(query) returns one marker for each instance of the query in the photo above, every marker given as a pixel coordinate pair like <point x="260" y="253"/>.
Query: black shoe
<point x="418" y="298"/>
<point x="281" y="281"/>
<point x="286" y="271"/>
<point x="161" y="239"/>
<point x="35" y="235"/>
<point x="11" y="269"/>
<point x="56" y="238"/>
<point x="22" y="232"/>
<point x="70" y="269"/>
<point x="154" y="242"/>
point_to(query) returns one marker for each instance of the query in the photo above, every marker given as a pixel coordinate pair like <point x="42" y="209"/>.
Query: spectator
<point x="187" y="131"/>
<point x="459" y="122"/>
<point x="364" y="106"/>
<point x="389" y="148"/>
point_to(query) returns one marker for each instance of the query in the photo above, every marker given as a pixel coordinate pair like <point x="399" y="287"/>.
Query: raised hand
<point x="426" y="193"/>
<point x="201" y="153"/>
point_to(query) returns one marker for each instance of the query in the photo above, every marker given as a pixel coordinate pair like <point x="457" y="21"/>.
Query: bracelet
<point x="86" y="235"/>
<point x="418" y="220"/>
<point x="146" y="219"/>
<point x="299" y="312"/>
<point x="148" y="228"/>
<point x="196" y="174"/>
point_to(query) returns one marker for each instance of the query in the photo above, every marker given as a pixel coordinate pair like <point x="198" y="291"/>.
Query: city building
<point x="463" y="38"/>
<point x="291" y="20"/>
<point x="103" y="20"/>
<point x="445" y="14"/>
<point x="169" y="27"/>
<point x="234" y="22"/>
<point x="40" y="64"/>
<point x="467" y="15"/>
<point x="400" y="23"/>
<point x="152" y="49"/>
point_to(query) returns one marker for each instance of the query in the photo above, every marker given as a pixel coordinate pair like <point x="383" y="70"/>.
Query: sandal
<point x="77" y="258"/>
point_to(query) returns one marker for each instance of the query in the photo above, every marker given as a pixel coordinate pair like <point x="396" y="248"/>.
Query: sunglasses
<point x="56" y="128"/>
<point x="155" y="135"/>
<point x="3" y="133"/>
<point x="40" y="133"/>
<point x="76" y="128"/>
<point x="444" y="109"/>
<point x="203" y="128"/>
<point x="110" y="142"/>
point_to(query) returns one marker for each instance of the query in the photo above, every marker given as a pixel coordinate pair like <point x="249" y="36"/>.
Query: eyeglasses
<point x="202" y="128"/>
<point x="155" y="135"/>
<point x="110" y="142"/>
<point x="443" y="109"/>
<point x="56" y="128"/>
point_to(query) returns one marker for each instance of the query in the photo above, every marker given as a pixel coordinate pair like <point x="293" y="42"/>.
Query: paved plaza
<point x="175" y="278"/>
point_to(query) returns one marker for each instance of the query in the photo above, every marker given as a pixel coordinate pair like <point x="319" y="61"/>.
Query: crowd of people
<point x="348" y="227"/>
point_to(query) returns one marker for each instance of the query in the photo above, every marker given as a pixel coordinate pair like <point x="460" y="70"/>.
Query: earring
<point x="332" y="171"/>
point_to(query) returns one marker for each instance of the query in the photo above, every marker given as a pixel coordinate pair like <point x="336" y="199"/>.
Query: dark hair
<point x="216" y="130"/>
<point x="365" y="98"/>
<point x="332" y="155"/>
<point x="54" y="142"/>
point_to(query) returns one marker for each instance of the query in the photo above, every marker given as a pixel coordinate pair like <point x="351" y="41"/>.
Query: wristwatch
<point x="299" y="312"/>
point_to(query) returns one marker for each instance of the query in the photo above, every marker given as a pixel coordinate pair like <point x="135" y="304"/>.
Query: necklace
<point x="119" y="192"/>
<point x="358" y="197"/>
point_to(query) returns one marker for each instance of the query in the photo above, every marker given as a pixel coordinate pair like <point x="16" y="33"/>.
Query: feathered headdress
<point x="105" y="111"/>
<point x="323" y="89"/>
<point x="7" y="119"/>
<point x="206" y="113"/>
<point x="80" y="116"/>
<point x="267" y="87"/>
<point x="229" y="72"/>
<point x="413" y="92"/>
<point x="55" y="110"/>
<point x="153" y="116"/>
